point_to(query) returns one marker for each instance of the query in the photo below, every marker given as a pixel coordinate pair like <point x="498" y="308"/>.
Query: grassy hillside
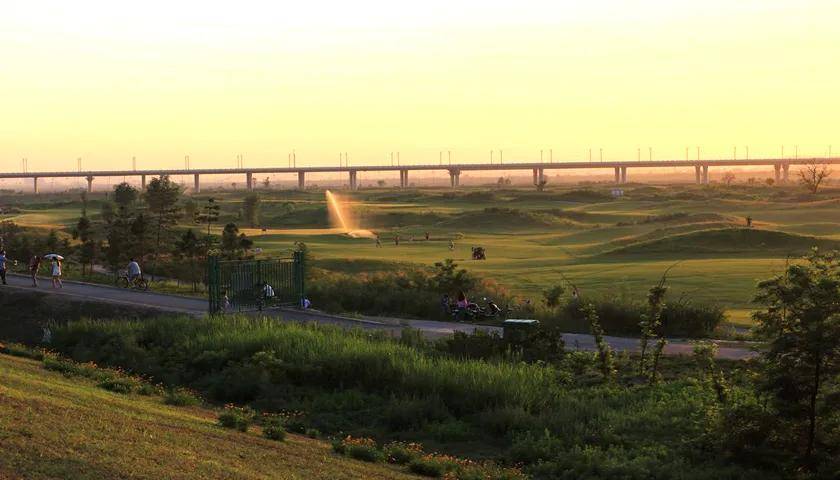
<point x="57" y="427"/>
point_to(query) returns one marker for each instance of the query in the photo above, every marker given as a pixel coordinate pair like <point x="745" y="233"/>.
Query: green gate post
<point x="299" y="276"/>
<point x="214" y="292"/>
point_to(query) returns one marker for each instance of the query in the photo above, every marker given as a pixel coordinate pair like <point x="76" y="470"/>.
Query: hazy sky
<point x="158" y="80"/>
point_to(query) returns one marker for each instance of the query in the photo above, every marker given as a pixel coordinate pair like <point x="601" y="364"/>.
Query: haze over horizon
<point x="158" y="81"/>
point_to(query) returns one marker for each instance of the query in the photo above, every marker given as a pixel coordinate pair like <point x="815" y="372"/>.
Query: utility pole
<point x="134" y="163"/>
<point x="79" y="163"/>
<point x="294" y="159"/>
<point x="398" y="158"/>
<point x="797" y="152"/>
<point x="491" y="157"/>
<point x="590" y="155"/>
<point x="783" y="151"/>
<point x="449" y="156"/>
<point x="392" y="159"/>
<point x="650" y="153"/>
<point x="550" y="155"/>
<point x="734" y="153"/>
<point x="698" y="154"/>
<point x="601" y="154"/>
<point x="541" y="156"/>
<point x="186" y="162"/>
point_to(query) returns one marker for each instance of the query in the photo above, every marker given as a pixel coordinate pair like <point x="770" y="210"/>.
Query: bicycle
<point x="138" y="283"/>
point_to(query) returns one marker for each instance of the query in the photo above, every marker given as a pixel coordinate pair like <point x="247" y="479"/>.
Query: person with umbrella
<point x="55" y="260"/>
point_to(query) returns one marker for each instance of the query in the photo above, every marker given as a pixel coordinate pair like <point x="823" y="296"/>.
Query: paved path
<point x="432" y="329"/>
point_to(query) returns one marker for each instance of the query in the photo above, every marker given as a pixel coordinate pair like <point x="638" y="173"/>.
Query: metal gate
<point x="244" y="285"/>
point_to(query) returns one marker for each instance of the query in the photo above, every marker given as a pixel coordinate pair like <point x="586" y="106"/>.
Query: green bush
<point x="364" y="449"/>
<point x="180" y="397"/>
<point x="236" y="418"/>
<point x="434" y="466"/>
<point x="273" y="428"/>
<point x="402" y="453"/>
<point x="620" y="317"/>
<point x="119" y="384"/>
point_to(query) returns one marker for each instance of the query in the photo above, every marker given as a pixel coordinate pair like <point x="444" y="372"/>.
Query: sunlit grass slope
<point x="57" y="427"/>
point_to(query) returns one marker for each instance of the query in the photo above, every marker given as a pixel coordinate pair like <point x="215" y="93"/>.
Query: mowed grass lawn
<point x="57" y="427"/>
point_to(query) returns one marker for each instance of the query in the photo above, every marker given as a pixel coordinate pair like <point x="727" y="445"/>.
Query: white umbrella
<point x="53" y="256"/>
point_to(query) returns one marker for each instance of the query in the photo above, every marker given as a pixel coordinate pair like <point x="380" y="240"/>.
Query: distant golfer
<point x="378" y="242"/>
<point x="749" y="221"/>
<point x="397" y="240"/>
<point x="451" y="245"/>
<point x="134" y="272"/>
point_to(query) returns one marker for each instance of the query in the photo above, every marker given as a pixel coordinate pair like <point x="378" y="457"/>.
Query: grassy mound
<point x="727" y="240"/>
<point x="59" y="427"/>
<point x="505" y="219"/>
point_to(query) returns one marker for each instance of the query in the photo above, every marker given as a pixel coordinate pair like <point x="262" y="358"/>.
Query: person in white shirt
<point x="134" y="271"/>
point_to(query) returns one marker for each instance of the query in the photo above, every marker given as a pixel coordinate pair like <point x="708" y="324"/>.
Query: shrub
<point x="449" y="431"/>
<point x="363" y="449"/>
<point x="312" y="433"/>
<point x="402" y="453"/>
<point x="180" y="397"/>
<point x="431" y="465"/>
<point x="119" y="384"/>
<point x="236" y="418"/>
<point x="273" y="428"/>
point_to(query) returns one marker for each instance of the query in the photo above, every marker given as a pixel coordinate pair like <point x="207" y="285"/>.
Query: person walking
<point x="56" y="273"/>
<point x="3" y="261"/>
<point x="378" y="242"/>
<point x="34" y="265"/>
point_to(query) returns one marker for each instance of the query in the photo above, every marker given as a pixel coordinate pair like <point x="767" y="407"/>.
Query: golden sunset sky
<point x="105" y="80"/>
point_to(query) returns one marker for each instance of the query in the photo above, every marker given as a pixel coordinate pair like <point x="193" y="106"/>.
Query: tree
<point x="801" y="322"/>
<point x="107" y="211"/>
<point x="251" y="209"/>
<point x="813" y="175"/>
<point x="190" y="208"/>
<point x="551" y="297"/>
<point x="83" y="231"/>
<point x="234" y="244"/>
<point x="208" y="215"/>
<point x="162" y="196"/>
<point x="188" y="247"/>
<point x="651" y="326"/>
<point x="606" y="361"/>
<point x="125" y="195"/>
<point x="728" y="178"/>
<point x="118" y="236"/>
<point x="84" y="198"/>
<point x="450" y="279"/>
<point x="140" y="230"/>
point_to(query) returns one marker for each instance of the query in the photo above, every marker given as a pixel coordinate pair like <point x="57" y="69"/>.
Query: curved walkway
<point x="433" y="329"/>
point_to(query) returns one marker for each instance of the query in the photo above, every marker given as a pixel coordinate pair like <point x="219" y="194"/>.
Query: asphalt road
<point x="431" y="329"/>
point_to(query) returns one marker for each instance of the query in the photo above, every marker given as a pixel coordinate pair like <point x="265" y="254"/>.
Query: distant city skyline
<point x="106" y="82"/>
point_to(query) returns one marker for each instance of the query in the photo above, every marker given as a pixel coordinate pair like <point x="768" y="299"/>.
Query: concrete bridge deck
<point x="781" y="167"/>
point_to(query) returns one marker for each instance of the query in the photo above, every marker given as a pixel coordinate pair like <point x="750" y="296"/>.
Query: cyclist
<point x="134" y="272"/>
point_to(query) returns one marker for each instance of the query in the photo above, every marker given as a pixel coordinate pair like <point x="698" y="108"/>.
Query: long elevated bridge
<point x="781" y="167"/>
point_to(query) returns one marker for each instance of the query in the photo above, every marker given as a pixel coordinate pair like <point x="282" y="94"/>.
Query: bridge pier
<point x="249" y="180"/>
<point x="403" y="178"/>
<point x="705" y="174"/>
<point x="617" y="175"/>
<point x="539" y="176"/>
<point x="785" y="172"/>
<point x="35" y="184"/>
<point x="623" y="174"/>
<point x="301" y="180"/>
<point x="697" y="174"/>
<point x="90" y="183"/>
<point x="777" y="173"/>
<point x="354" y="185"/>
<point x="196" y="184"/>
<point x="454" y="178"/>
<point x="142" y="182"/>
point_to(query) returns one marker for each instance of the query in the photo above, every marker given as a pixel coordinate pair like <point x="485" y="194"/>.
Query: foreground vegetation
<point x="558" y="420"/>
<point x="58" y="426"/>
